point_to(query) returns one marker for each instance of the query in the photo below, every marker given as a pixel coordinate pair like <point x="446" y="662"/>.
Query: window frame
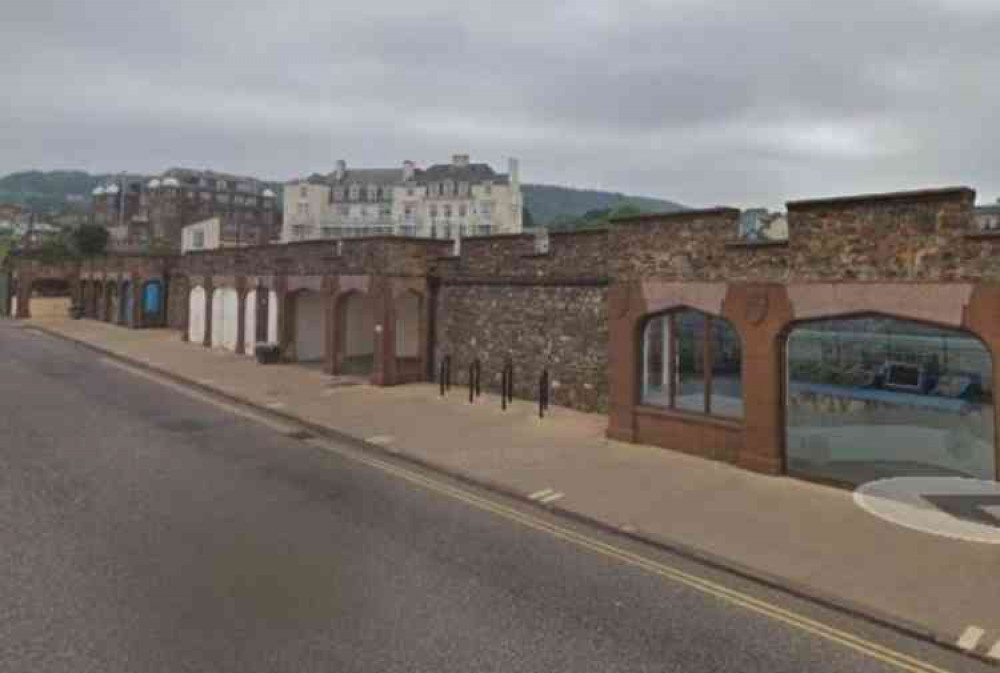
<point x="671" y="361"/>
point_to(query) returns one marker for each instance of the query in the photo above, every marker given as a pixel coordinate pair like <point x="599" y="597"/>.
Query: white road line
<point x="970" y="638"/>
<point x="995" y="652"/>
<point x="540" y="494"/>
<point x="275" y="405"/>
<point x="551" y="498"/>
<point x="380" y="439"/>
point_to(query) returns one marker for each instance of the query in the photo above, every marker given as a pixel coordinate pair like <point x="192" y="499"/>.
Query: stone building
<point x="863" y="346"/>
<point x="442" y="201"/>
<point x="142" y="212"/>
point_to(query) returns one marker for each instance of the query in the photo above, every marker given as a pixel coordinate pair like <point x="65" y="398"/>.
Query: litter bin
<point x="267" y="354"/>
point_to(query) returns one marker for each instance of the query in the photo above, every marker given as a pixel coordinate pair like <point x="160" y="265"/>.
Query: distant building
<point x="757" y="224"/>
<point x="140" y="211"/>
<point x="441" y="201"/>
<point x="987" y="218"/>
<point x="213" y="233"/>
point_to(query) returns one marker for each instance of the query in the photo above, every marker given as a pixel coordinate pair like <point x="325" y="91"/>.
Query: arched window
<point x="692" y="361"/>
<point x="872" y="396"/>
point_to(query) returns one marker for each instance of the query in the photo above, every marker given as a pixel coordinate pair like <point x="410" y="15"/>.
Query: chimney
<point x="408" y="170"/>
<point x="341" y="169"/>
<point x="460" y="160"/>
<point x="513" y="169"/>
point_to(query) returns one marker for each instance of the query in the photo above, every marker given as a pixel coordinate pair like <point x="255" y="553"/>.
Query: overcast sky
<point x="744" y="102"/>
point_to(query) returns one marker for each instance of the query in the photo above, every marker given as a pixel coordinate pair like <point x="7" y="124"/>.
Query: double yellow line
<point x="874" y="650"/>
<point x="870" y="649"/>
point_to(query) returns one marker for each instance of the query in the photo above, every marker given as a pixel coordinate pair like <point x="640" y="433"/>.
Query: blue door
<point x="152" y="296"/>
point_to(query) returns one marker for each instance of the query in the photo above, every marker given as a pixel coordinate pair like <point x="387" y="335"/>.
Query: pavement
<point x="809" y="539"/>
<point x="148" y="527"/>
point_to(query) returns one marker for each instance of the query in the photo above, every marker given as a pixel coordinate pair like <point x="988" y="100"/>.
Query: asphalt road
<point x="144" y="529"/>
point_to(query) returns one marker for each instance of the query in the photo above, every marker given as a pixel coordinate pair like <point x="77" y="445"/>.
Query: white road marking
<point x="380" y="439"/>
<point x="275" y="405"/>
<point x="995" y="652"/>
<point x="551" y="498"/>
<point x="540" y="494"/>
<point x="970" y="638"/>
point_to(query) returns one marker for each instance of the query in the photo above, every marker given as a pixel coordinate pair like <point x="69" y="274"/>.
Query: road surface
<point x="146" y="528"/>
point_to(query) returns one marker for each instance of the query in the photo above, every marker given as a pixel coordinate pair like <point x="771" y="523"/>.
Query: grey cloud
<point x="745" y="102"/>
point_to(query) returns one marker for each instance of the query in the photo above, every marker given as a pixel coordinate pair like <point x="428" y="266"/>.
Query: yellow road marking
<point x="868" y="648"/>
<point x="871" y="649"/>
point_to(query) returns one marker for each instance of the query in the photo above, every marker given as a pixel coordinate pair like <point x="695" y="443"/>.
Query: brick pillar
<point x="625" y="309"/>
<point x="137" y="287"/>
<point x="282" y="310"/>
<point x="761" y="314"/>
<point x="982" y="318"/>
<point x="24" y="284"/>
<point x="331" y="286"/>
<point x="209" y="295"/>
<point x="384" y="362"/>
<point x="241" y="316"/>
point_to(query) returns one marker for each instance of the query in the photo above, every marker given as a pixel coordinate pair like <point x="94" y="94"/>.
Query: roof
<point x="186" y="172"/>
<point x="987" y="210"/>
<point x="384" y="177"/>
<point x="369" y="176"/>
<point x="466" y="173"/>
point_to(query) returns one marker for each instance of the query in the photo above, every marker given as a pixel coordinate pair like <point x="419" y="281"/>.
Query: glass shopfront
<point x="873" y="397"/>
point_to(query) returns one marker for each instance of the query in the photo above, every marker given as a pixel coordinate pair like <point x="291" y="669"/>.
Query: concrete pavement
<point x="808" y="537"/>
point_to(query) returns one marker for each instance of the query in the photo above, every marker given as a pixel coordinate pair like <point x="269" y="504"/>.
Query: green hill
<point x="550" y="203"/>
<point x="48" y="191"/>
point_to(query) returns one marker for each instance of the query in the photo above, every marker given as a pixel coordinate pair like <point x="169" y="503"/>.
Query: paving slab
<point x="806" y="536"/>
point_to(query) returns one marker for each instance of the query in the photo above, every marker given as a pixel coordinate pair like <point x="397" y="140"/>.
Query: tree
<point x="90" y="240"/>
<point x="625" y="210"/>
<point x="54" y="250"/>
<point x="527" y="221"/>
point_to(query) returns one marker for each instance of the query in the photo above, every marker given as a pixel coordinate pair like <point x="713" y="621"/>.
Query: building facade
<point x="442" y="201"/>
<point x="142" y="212"/>
<point x="878" y="317"/>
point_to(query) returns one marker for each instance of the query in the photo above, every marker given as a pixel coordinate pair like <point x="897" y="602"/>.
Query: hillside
<point x="53" y="191"/>
<point x="547" y="202"/>
<point x="48" y="190"/>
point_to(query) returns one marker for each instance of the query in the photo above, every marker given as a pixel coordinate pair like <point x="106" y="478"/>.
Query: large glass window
<point x="691" y="362"/>
<point x="873" y="397"/>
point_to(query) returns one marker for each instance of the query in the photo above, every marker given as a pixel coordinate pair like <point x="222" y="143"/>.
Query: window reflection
<point x="874" y="397"/>
<point x="692" y="362"/>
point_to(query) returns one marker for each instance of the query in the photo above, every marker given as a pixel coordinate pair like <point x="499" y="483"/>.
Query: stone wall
<point x="696" y="245"/>
<point x="928" y="235"/>
<point x="500" y="299"/>
<point x="562" y="328"/>
<point x="570" y="256"/>
<point x="389" y="256"/>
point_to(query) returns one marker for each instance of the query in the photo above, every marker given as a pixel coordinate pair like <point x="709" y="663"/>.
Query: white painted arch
<point x="310" y="326"/>
<point x="196" y="314"/>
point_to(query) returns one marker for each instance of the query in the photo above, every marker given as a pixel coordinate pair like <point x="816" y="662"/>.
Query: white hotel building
<point x="441" y="201"/>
